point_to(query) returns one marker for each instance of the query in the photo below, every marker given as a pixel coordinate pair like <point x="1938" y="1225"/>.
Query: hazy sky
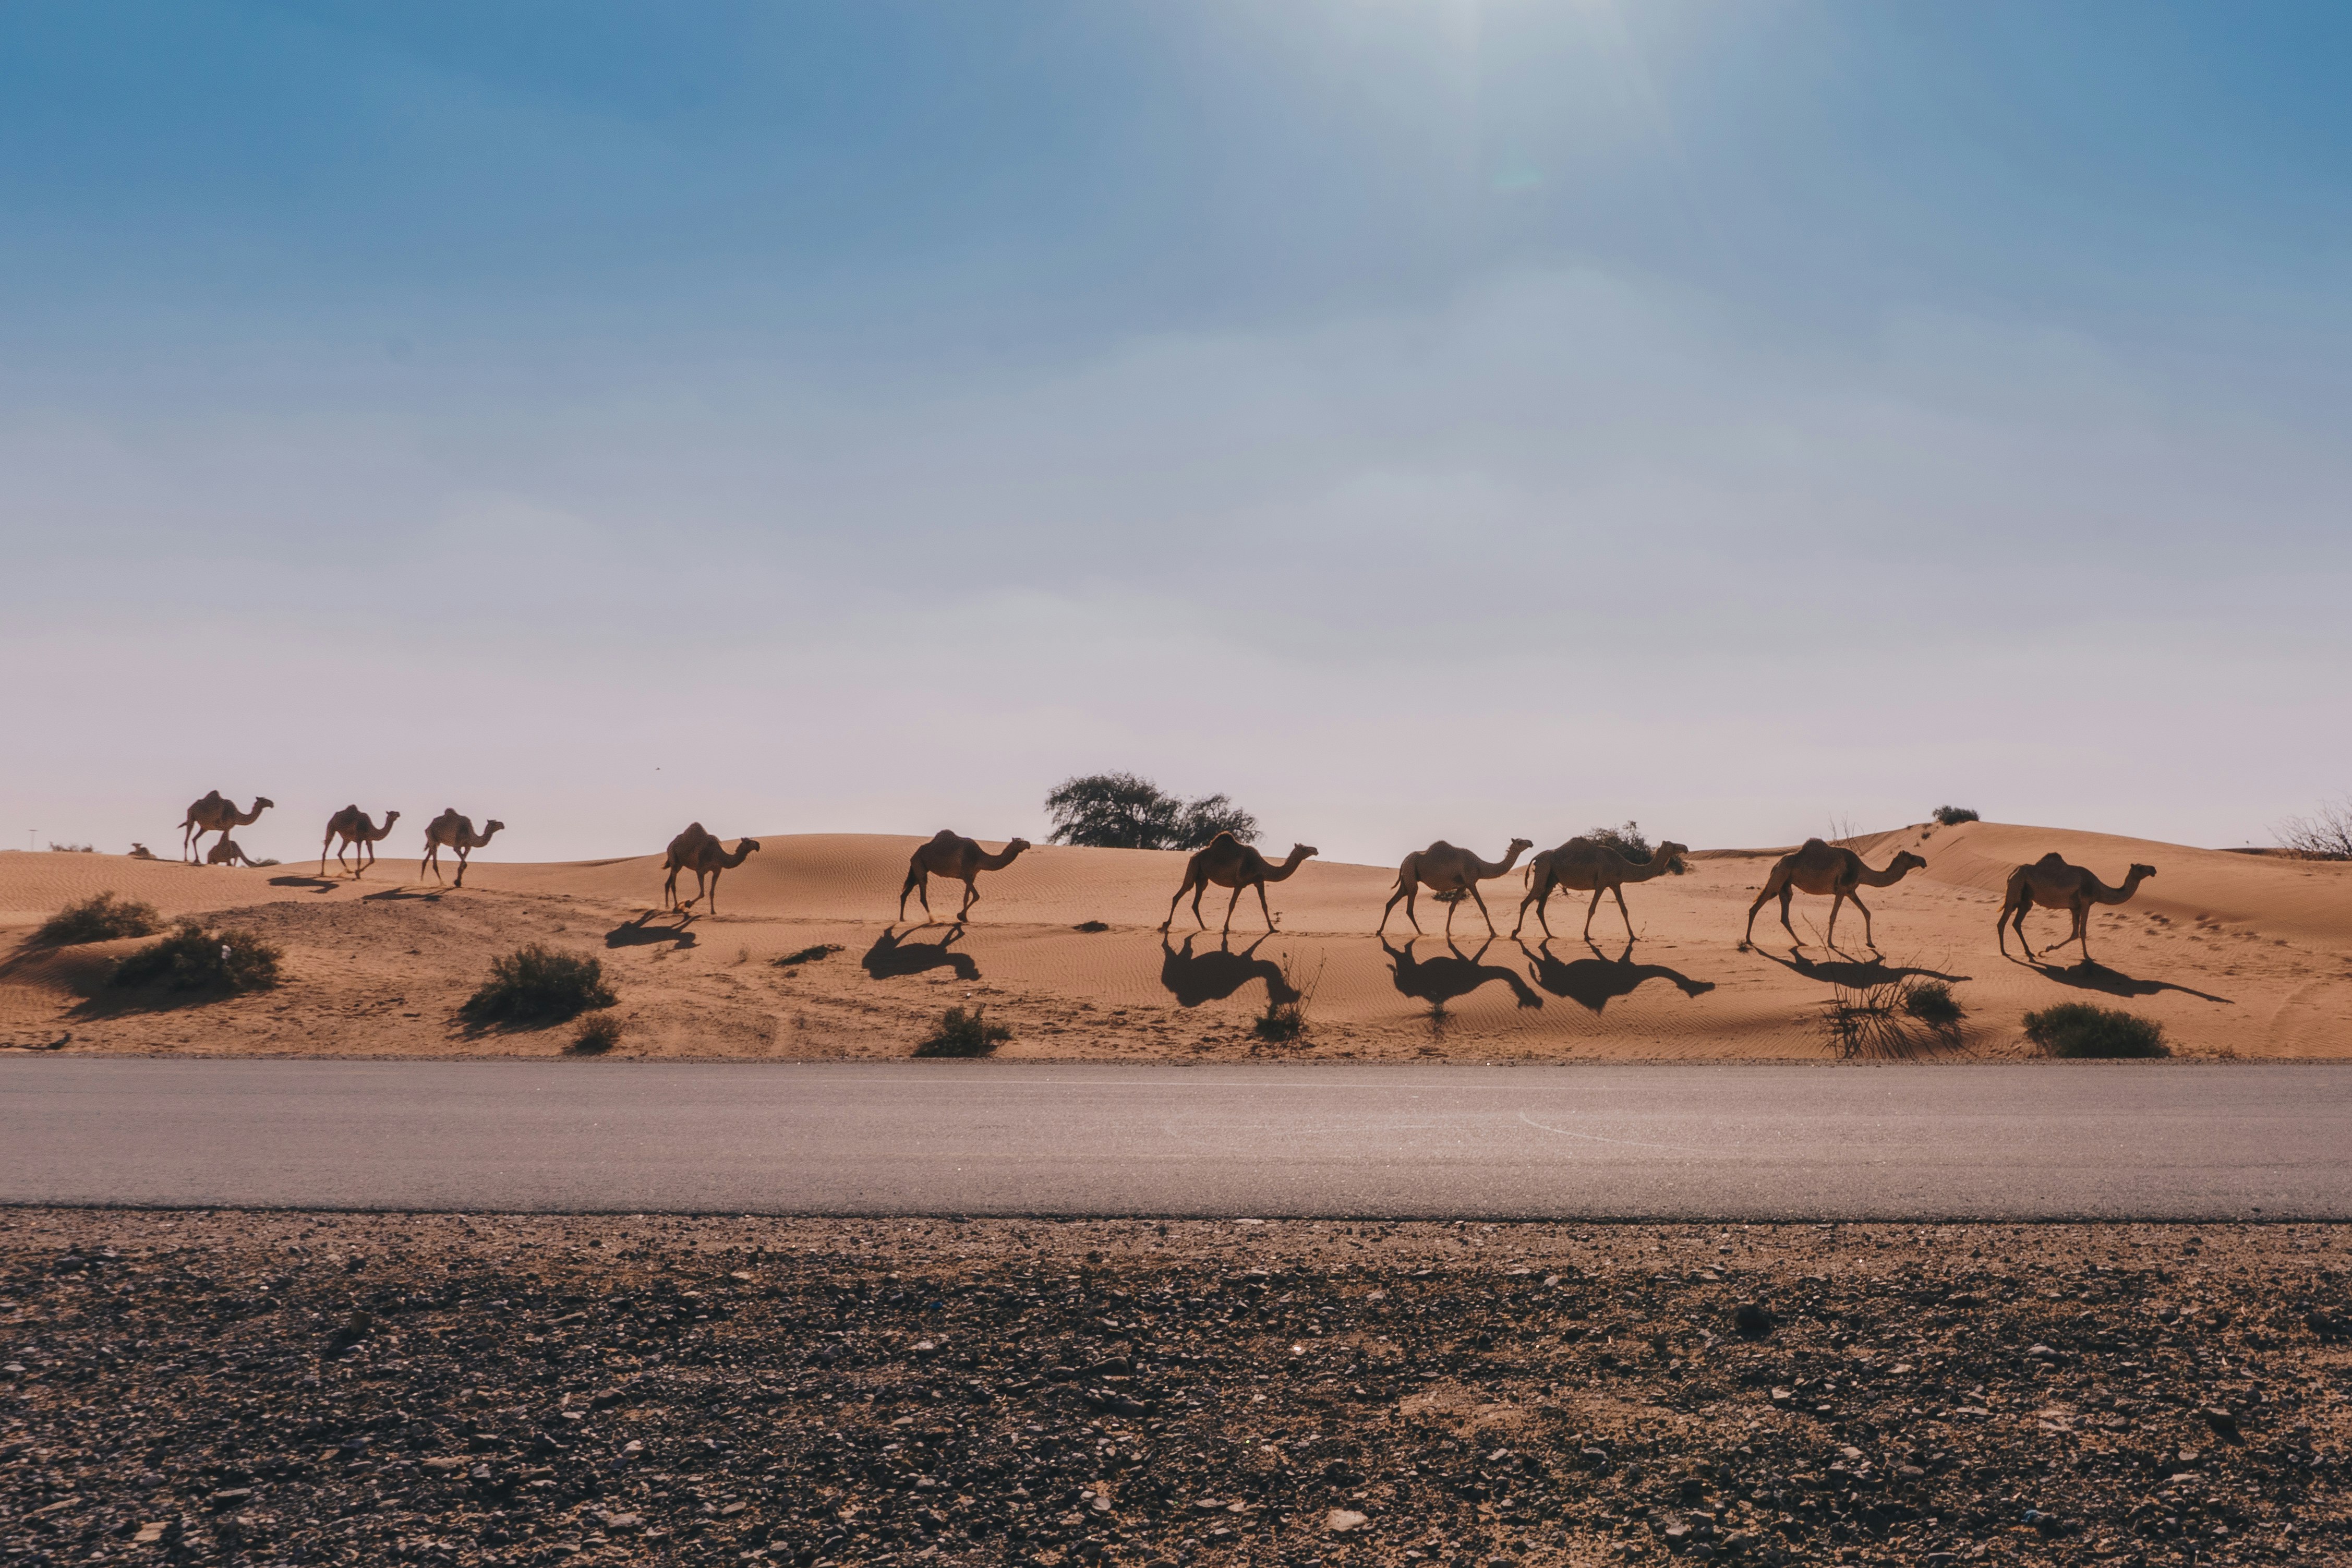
<point x="1415" y="420"/>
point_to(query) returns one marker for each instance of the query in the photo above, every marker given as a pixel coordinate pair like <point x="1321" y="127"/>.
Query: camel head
<point x="1520" y="847"/>
<point x="2141" y="873"/>
<point x="1014" y="845"/>
<point x="492" y="826"/>
<point x="1905" y="861"/>
<point x="390" y="818"/>
<point x="262" y="802"/>
<point x="1302" y="852"/>
<point x="1669" y="854"/>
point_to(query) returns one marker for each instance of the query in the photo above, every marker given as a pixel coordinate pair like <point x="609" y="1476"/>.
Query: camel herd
<point x="1451" y="874"/>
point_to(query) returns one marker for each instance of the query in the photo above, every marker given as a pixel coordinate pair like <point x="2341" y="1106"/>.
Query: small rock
<point x="228" y="1497"/>
<point x="1751" y="1320"/>
<point x="1344" y="1522"/>
<point x="150" y="1532"/>
<point x="2220" y="1420"/>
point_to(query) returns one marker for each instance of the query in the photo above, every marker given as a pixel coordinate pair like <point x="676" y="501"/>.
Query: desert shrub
<point x="1628" y="839"/>
<point x="2080" y="1029"/>
<point x="1121" y="810"/>
<point x="1953" y="815"/>
<point x="58" y="848"/>
<point x="1090" y="927"/>
<point x="1286" y="1004"/>
<point x="1932" y="1003"/>
<point x="141" y="852"/>
<point x="1893" y="1020"/>
<point x="808" y="955"/>
<point x="599" y="1033"/>
<point x="537" y="984"/>
<point x="2325" y="835"/>
<point x="195" y="959"/>
<point x="962" y="1034"/>
<point x="101" y="917"/>
<point x="265" y="861"/>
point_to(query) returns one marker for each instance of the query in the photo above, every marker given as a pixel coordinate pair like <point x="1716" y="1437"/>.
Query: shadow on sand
<point x="402" y="895"/>
<point x="1593" y="983"/>
<point x="322" y="884"/>
<point x="1857" y="975"/>
<point x="1194" y="978"/>
<point x="642" y="933"/>
<point x="893" y="955"/>
<point x="1440" y="980"/>
<point x="2088" y="975"/>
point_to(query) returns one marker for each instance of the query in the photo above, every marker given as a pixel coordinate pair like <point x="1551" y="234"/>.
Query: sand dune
<point x="2235" y="954"/>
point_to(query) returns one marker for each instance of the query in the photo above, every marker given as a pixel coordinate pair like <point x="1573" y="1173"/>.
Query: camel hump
<point x="1814" y="844"/>
<point x="1225" y="838"/>
<point x="2050" y="861"/>
<point x="944" y="836"/>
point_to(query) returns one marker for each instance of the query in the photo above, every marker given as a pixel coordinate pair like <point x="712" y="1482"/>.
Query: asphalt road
<point x="2007" y="1142"/>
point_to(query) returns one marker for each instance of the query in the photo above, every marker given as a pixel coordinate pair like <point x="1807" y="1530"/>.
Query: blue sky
<point x="1415" y="420"/>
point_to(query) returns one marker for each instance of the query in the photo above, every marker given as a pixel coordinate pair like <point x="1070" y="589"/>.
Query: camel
<point x="353" y="826"/>
<point x="454" y="832"/>
<point x="1818" y="867"/>
<point x="215" y="814"/>
<point x="1230" y="863"/>
<point x="228" y="852"/>
<point x="2055" y="885"/>
<point x="1449" y="873"/>
<point x="950" y="854"/>
<point x="1587" y="863"/>
<point x="697" y="851"/>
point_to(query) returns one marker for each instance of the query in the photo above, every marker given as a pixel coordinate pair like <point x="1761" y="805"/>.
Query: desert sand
<point x="2235" y="954"/>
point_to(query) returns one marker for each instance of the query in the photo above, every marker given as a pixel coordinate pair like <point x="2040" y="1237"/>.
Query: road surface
<point x="2022" y="1141"/>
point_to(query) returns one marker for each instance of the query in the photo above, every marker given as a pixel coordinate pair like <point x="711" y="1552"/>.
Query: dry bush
<point x="58" y="848"/>
<point x="1286" y="1020"/>
<point x="599" y="1033"/>
<point x="195" y="959"/>
<point x="537" y="984"/>
<point x="1893" y="1020"/>
<point x="103" y="917"/>
<point x="2325" y="835"/>
<point x="2080" y="1029"/>
<point x="1953" y="815"/>
<point x="962" y="1034"/>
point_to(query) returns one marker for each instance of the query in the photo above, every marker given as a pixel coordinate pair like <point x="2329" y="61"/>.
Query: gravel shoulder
<point x="223" y="1387"/>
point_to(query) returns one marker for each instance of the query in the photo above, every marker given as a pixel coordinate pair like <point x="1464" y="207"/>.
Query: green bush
<point x="195" y="959"/>
<point x="537" y="984"/>
<point x="1932" y="1002"/>
<point x="962" y="1034"/>
<point x="2079" y="1029"/>
<point x="808" y="955"/>
<point x="598" y="1034"/>
<point x="103" y="917"/>
<point x="1953" y="815"/>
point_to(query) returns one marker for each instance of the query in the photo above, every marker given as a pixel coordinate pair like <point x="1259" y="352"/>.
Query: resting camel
<point x="1582" y="863"/>
<point x="1820" y="867"/>
<point x="353" y="826"/>
<point x="214" y="814"/>
<point x="1449" y="873"/>
<point x="2055" y="885"/>
<point x="1230" y="863"/>
<point x="950" y="854"/>
<point x="454" y="832"/>
<point x="697" y="851"/>
<point x="228" y="852"/>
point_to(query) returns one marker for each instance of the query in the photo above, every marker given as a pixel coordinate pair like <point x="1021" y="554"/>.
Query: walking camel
<point x="215" y="814"/>
<point x="698" y="851"/>
<point x="353" y="826"/>
<point x="1230" y="863"/>
<point x="452" y="831"/>
<point x="1449" y="873"/>
<point x="950" y="854"/>
<point x="2054" y="884"/>
<point x="1587" y="863"/>
<point x="1821" y="867"/>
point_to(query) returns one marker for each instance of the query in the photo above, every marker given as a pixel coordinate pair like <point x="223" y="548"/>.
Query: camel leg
<point x="463" y="855"/>
<point x="1748" y="939"/>
<point x="1262" y="905"/>
<point x="432" y="862"/>
<point x="2082" y="930"/>
<point x="1174" y="901"/>
<point x="1390" y="908"/>
<point x="914" y="881"/>
<point x="1482" y="911"/>
<point x="2023" y="909"/>
<point x="1868" y="941"/>
<point x="1536" y="896"/>
<point x="1588" y="913"/>
<point x="1793" y="943"/>
<point x="1199" y="891"/>
<point x="970" y="897"/>
<point x="1229" y="910"/>
<point x="329" y="838"/>
<point x="1628" y="919"/>
<point x="714" y="893"/>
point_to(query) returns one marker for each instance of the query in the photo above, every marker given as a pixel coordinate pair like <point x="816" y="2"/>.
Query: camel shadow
<point x="2091" y="975"/>
<point x="1858" y="974"/>
<point x="1194" y="978"/>
<point x="893" y="956"/>
<point x="323" y="884"/>
<point x="400" y="895"/>
<point x="639" y="933"/>
<point x="1438" y="981"/>
<point x="1592" y="983"/>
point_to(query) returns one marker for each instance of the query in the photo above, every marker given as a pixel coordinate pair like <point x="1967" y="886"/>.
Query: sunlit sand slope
<point x="2234" y="954"/>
